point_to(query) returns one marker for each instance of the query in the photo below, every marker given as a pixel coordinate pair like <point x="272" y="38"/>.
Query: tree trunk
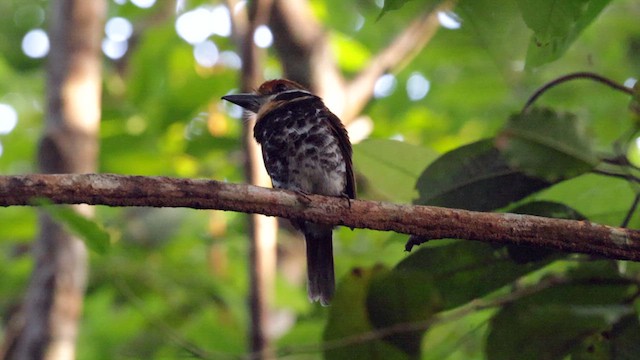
<point x="47" y="325"/>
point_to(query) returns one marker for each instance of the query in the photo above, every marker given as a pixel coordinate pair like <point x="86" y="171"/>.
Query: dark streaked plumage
<point x="305" y="148"/>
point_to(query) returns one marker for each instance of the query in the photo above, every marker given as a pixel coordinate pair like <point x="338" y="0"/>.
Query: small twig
<point x="624" y="176"/>
<point x="632" y="210"/>
<point x="578" y="75"/>
<point x="618" y="160"/>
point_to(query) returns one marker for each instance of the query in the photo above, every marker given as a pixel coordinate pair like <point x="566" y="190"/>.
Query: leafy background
<point x="174" y="281"/>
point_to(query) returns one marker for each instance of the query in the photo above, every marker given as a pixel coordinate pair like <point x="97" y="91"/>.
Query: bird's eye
<point x="280" y="87"/>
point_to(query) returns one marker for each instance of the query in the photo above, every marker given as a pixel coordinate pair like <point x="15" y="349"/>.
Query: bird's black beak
<point x="250" y="102"/>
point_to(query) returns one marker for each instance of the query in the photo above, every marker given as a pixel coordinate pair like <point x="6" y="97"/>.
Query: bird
<point x="306" y="149"/>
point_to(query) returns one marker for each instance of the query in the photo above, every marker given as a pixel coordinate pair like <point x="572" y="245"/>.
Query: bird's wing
<point x="345" y="147"/>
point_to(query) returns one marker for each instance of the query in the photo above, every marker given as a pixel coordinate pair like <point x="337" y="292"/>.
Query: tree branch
<point x="395" y="56"/>
<point x="303" y="47"/>
<point x="424" y="221"/>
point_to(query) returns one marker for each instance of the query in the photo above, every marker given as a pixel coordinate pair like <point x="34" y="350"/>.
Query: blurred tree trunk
<point x="263" y="230"/>
<point x="46" y="327"/>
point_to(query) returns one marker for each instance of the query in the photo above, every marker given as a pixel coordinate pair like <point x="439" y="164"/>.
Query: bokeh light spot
<point x="197" y="25"/>
<point x="417" y="86"/>
<point x="8" y="118"/>
<point x="118" y="29"/>
<point x="630" y="82"/>
<point x="114" y="49"/>
<point x="449" y="20"/>
<point x="206" y="53"/>
<point x="35" y="44"/>
<point x="144" y="4"/>
<point x="384" y="86"/>
<point x="230" y="59"/>
<point x="263" y="37"/>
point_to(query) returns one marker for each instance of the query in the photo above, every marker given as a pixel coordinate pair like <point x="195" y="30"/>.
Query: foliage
<point x="174" y="281"/>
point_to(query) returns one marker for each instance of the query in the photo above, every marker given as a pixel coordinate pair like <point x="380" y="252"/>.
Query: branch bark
<point x="424" y="221"/>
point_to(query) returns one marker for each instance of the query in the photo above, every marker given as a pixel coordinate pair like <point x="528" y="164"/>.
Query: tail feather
<point x="321" y="281"/>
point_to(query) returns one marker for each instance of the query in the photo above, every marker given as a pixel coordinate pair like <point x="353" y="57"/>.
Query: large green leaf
<point x="556" y="25"/>
<point x="403" y="296"/>
<point x="474" y="177"/>
<point x="348" y="318"/>
<point x="602" y="199"/>
<point x="547" y="144"/>
<point x="391" y="167"/>
<point x="553" y="322"/>
<point x="465" y="270"/>
<point x="496" y="27"/>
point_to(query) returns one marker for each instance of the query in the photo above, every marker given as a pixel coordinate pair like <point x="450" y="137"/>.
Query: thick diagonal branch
<point x="425" y="221"/>
<point x="303" y="46"/>
<point x="396" y="55"/>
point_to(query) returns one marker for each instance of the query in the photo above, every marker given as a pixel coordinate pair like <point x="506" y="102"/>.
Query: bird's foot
<point x="303" y="197"/>
<point x="345" y="196"/>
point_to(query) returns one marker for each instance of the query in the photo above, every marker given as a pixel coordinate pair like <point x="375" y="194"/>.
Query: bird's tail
<point x="321" y="282"/>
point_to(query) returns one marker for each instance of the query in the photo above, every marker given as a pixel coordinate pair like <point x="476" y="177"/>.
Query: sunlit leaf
<point x="547" y="144"/>
<point x="474" y="177"/>
<point x="556" y="25"/>
<point x="391" y="167"/>
<point x="602" y="199"/>
<point x="497" y="28"/>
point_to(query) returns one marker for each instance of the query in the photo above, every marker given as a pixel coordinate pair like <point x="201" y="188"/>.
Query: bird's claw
<point x="345" y="196"/>
<point x="303" y="196"/>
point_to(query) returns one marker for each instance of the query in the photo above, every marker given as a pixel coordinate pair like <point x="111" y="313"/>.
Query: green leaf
<point x="601" y="199"/>
<point x="403" y="296"/>
<point x="465" y="270"/>
<point x="548" y="209"/>
<point x="474" y="177"/>
<point x="391" y="167"/>
<point x="523" y="332"/>
<point x="496" y="27"/>
<point x="570" y="312"/>
<point x="547" y="144"/>
<point x="96" y="238"/>
<point x="556" y="25"/>
<point x="348" y="318"/>
<point x="621" y="342"/>
<point x="625" y="338"/>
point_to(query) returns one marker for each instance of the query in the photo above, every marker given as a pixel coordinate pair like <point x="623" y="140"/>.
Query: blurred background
<point x="175" y="282"/>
